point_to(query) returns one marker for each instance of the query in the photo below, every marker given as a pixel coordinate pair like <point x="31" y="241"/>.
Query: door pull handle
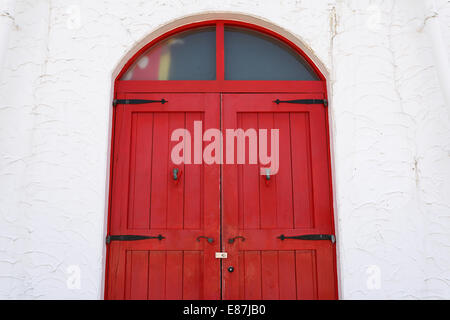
<point x="210" y="240"/>
<point x="231" y="240"/>
<point x="267" y="176"/>
<point x="176" y="175"/>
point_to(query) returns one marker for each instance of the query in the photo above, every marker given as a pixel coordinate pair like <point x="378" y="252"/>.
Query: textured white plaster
<point x="390" y="132"/>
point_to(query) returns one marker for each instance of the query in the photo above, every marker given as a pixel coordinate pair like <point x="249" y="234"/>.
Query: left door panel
<point x="152" y="196"/>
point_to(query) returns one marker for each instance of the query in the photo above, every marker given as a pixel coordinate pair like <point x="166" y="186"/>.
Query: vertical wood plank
<point x="121" y="162"/>
<point x="157" y="275"/>
<point x="137" y="275"/>
<point x="175" y="190"/>
<point x="306" y="274"/>
<point x="117" y="272"/>
<point x="320" y="170"/>
<point x="252" y="275"/>
<point x="267" y="191"/>
<point x="128" y="270"/>
<point x="193" y="178"/>
<point x="301" y="170"/>
<point x="192" y="280"/>
<point x="285" y="212"/>
<point x="326" y="284"/>
<point x="288" y="284"/>
<point x="160" y="171"/>
<point x="250" y="179"/>
<point x="174" y="275"/>
<point x="140" y="170"/>
<point x="132" y="170"/>
<point x="239" y="289"/>
<point x="238" y="176"/>
<point x="269" y="267"/>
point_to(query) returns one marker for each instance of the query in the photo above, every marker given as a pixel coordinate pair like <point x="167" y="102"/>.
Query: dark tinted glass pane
<point x="251" y="55"/>
<point x="189" y="55"/>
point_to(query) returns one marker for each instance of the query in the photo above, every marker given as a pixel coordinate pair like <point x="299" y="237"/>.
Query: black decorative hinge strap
<point x="137" y="101"/>
<point x="310" y="237"/>
<point x="304" y="101"/>
<point x="130" y="237"/>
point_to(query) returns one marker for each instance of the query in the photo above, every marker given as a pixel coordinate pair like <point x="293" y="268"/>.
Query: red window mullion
<point x="220" y="53"/>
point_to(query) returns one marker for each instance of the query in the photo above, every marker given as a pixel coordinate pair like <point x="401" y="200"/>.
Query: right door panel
<point x="258" y="209"/>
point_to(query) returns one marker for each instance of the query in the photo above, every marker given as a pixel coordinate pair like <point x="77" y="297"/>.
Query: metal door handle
<point x="210" y="240"/>
<point x="231" y="240"/>
<point x="176" y="173"/>
<point x="267" y="174"/>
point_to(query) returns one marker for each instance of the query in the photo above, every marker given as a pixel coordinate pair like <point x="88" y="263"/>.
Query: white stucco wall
<point x="390" y="129"/>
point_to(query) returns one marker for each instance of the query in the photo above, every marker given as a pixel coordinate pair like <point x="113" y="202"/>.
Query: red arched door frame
<point x="220" y="84"/>
<point x="313" y="89"/>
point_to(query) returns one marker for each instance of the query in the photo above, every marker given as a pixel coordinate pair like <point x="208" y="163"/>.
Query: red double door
<point x="169" y="223"/>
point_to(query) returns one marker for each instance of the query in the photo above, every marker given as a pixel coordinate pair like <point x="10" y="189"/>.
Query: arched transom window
<point x="220" y="52"/>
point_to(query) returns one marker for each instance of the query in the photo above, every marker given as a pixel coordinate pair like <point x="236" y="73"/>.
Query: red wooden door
<point x="146" y="200"/>
<point x="295" y="201"/>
